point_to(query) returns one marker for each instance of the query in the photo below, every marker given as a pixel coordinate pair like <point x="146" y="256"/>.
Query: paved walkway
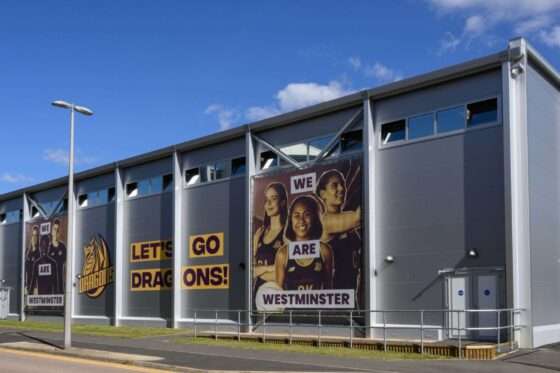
<point x="217" y="358"/>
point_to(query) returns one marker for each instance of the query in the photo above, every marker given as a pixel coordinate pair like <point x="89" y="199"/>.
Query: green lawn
<point x="178" y="336"/>
<point x="99" y="330"/>
<point x="330" y="351"/>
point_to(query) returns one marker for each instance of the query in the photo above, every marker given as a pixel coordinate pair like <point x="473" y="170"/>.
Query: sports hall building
<point x="438" y="192"/>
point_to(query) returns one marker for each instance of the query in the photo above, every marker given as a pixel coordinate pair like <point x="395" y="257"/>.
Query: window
<point x="11" y="217"/>
<point x="316" y="147"/>
<point x="96" y="198"/>
<point x="238" y="166"/>
<point x="351" y="141"/>
<point x="268" y="159"/>
<point x="132" y="189"/>
<point x="420" y="126"/>
<point x="192" y="176"/>
<point x="214" y="171"/>
<point x="154" y="185"/>
<point x="450" y="119"/>
<point x="298" y="152"/>
<point x="83" y="200"/>
<point x="394" y="131"/>
<point x="482" y="112"/>
<point x="167" y="182"/>
<point x="35" y="212"/>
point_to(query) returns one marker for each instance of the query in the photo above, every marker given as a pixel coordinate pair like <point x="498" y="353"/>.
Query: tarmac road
<point x="31" y="362"/>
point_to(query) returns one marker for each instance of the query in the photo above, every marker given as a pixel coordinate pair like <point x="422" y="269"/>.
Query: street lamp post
<point x="70" y="240"/>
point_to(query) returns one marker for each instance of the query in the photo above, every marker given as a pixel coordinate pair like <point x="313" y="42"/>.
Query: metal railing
<point x="496" y="325"/>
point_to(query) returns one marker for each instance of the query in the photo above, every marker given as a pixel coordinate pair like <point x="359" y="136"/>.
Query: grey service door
<point x="487" y="298"/>
<point x="457" y="296"/>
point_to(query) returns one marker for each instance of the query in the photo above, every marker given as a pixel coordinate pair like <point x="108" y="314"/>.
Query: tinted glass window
<point x="238" y="166"/>
<point x="394" y="131"/>
<point x="420" y="126"/>
<point x="482" y="112"/>
<point x="192" y="176"/>
<point x="298" y="152"/>
<point x="268" y="159"/>
<point x="316" y="147"/>
<point x="450" y="119"/>
<point x="351" y="141"/>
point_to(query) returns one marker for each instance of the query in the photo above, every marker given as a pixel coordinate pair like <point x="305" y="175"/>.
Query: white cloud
<point x="382" y="73"/>
<point x="355" y="62"/>
<point x="475" y="25"/>
<point x="15" y="178"/>
<point x="533" y="24"/>
<point x="524" y="17"/>
<point x="449" y="43"/>
<point x="256" y="113"/>
<point x="61" y="156"/>
<point x="552" y="37"/>
<point x="296" y="96"/>
<point x="500" y="9"/>
<point x="226" y="117"/>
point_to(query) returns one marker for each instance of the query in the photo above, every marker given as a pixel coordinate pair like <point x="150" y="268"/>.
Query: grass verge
<point x="97" y="330"/>
<point x="330" y="351"/>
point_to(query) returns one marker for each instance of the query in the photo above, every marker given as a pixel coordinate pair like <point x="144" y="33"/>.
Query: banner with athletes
<point x="45" y="263"/>
<point x="307" y="239"/>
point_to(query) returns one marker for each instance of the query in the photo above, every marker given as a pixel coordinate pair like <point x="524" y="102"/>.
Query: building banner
<point x="97" y="272"/>
<point x="307" y="239"/>
<point x="45" y="263"/>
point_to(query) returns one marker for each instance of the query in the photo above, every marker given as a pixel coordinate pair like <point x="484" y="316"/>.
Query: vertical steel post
<point x="178" y="240"/>
<point x="23" y="250"/>
<point x="68" y="286"/>
<point x="422" y="332"/>
<point x="369" y="211"/>
<point x="290" y="326"/>
<point x="459" y="328"/>
<point x="384" y="332"/>
<point x="249" y="172"/>
<point x="216" y="327"/>
<point x="351" y="328"/>
<point x="512" y="330"/>
<point x="238" y="326"/>
<point x="120" y="247"/>
<point x="264" y="326"/>
<point x="498" y="331"/>
<point x="195" y="327"/>
<point x="319" y="327"/>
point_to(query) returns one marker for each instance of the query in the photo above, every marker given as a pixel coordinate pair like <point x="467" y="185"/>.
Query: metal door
<point x="487" y="298"/>
<point x="458" y="300"/>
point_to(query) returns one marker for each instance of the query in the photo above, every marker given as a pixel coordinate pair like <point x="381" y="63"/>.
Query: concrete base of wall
<point x="146" y="321"/>
<point x="546" y="334"/>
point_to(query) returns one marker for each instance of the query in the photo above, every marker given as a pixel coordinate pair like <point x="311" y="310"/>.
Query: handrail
<point x="455" y="323"/>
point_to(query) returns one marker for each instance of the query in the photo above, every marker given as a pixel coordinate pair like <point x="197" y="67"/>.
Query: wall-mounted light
<point x="389" y="259"/>
<point x="517" y="70"/>
<point x="472" y="253"/>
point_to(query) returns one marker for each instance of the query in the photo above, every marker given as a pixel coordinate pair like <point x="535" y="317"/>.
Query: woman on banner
<point x="31" y="255"/>
<point x="304" y="224"/>
<point x="340" y="229"/>
<point x="269" y="237"/>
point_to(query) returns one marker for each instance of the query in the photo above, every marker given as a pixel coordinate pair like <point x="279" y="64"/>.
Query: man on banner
<point x="57" y="251"/>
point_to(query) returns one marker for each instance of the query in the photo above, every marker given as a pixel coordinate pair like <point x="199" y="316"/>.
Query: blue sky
<point x="162" y="72"/>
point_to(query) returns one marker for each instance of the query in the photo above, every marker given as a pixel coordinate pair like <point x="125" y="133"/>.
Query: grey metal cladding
<point x="314" y="127"/>
<point x="95" y="183"/>
<point x="225" y="150"/>
<point x="10" y="261"/>
<point x="543" y="121"/>
<point x="147" y="219"/>
<point x="151" y="169"/>
<point x="99" y="220"/>
<point x="212" y="208"/>
<point x="435" y="200"/>
<point x="435" y="97"/>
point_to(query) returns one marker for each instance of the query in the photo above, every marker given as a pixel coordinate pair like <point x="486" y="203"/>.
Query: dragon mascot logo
<point x="97" y="272"/>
